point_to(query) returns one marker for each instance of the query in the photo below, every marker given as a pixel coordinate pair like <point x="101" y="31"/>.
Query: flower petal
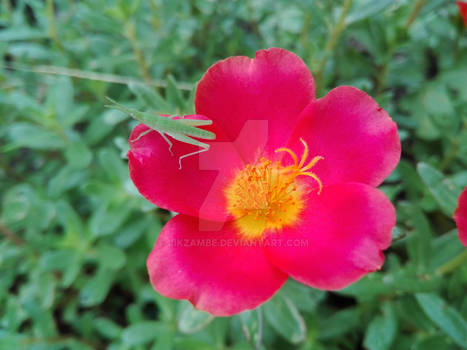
<point x="197" y="188"/>
<point x="274" y="87"/>
<point x="463" y="11"/>
<point x="340" y="238"/>
<point x="212" y="269"/>
<point x="460" y="216"/>
<point x="357" y="138"/>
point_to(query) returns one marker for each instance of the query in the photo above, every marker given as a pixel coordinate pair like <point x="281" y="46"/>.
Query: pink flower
<point x="287" y="189"/>
<point x="460" y="216"/>
<point x="463" y="11"/>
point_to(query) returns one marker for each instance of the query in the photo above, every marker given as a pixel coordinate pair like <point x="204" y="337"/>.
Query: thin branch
<point x="451" y="153"/>
<point x="332" y="41"/>
<point x="452" y="264"/>
<point x="414" y="13"/>
<point x="10" y="235"/>
<point x="139" y="55"/>
<point x="382" y="76"/>
<point x="53" y="33"/>
<point x="90" y="75"/>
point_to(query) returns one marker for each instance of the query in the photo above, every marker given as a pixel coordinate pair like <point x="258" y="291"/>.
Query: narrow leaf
<point x="445" y="317"/>
<point x="442" y="189"/>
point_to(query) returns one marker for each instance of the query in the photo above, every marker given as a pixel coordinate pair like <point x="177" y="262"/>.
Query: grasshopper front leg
<point x="141" y="135"/>
<point x="168" y="141"/>
<point x="161" y="133"/>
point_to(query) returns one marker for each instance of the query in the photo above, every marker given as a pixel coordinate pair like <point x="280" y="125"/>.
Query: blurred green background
<point x="75" y="234"/>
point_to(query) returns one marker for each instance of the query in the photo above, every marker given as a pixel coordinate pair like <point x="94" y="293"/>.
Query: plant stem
<point x="452" y="264"/>
<point x="143" y="67"/>
<point x="52" y="25"/>
<point x="381" y="78"/>
<point x="85" y="74"/>
<point x="414" y="13"/>
<point x="7" y="6"/>
<point x="452" y="151"/>
<point x="332" y="41"/>
<point x="10" y="235"/>
<point x="154" y="18"/>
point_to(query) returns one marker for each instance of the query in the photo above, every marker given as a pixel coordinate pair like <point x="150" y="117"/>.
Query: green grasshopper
<point x="182" y="130"/>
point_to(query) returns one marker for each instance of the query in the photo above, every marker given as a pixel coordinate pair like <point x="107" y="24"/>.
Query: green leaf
<point x="13" y="315"/>
<point x="382" y="330"/>
<point x="22" y="33"/>
<point x="69" y="219"/>
<point x="28" y="135"/>
<point x="102" y="125"/>
<point x="60" y="98"/>
<point x="68" y="262"/>
<point x="149" y="98"/>
<point x="412" y="181"/>
<point x="445" y="317"/>
<point x="304" y="297"/>
<point x="427" y="129"/>
<point x="113" y="165"/>
<point x="445" y="247"/>
<point x="401" y="280"/>
<point x="419" y="240"/>
<point x="433" y="342"/>
<point x="78" y="155"/>
<point x="456" y="78"/>
<point x="107" y="328"/>
<point x="43" y="320"/>
<point x="65" y="179"/>
<point x="192" y="320"/>
<point x="252" y="326"/>
<point x="96" y="289"/>
<point x="412" y="314"/>
<point x="32" y="51"/>
<point x="437" y="102"/>
<point x="362" y="9"/>
<point x="131" y="232"/>
<point x="338" y="323"/>
<point x="10" y="340"/>
<point x="55" y="260"/>
<point x="16" y="203"/>
<point x="143" y="332"/>
<point x="281" y="313"/>
<point x="444" y="190"/>
<point x="174" y="95"/>
<point x="107" y="218"/>
<point x="110" y="257"/>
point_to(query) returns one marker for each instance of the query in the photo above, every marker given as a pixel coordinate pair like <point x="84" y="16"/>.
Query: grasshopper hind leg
<point x="187" y="139"/>
<point x="141" y="135"/>
<point x="190" y="154"/>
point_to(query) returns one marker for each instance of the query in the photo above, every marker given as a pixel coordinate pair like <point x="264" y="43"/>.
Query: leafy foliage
<point x="75" y="233"/>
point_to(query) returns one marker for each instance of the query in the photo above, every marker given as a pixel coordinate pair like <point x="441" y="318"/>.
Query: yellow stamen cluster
<point x="266" y="195"/>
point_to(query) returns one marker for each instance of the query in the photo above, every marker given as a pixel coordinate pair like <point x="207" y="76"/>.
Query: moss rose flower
<point x="288" y="187"/>
<point x="460" y="216"/>
<point x="463" y="11"/>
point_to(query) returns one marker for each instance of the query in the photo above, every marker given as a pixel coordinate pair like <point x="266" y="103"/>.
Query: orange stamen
<point x="266" y="196"/>
<point x="299" y="169"/>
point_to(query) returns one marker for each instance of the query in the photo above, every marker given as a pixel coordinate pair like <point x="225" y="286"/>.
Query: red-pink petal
<point x="197" y="188"/>
<point x="340" y="237"/>
<point x="463" y="11"/>
<point x="358" y="139"/>
<point x="273" y="87"/>
<point x="460" y="216"/>
<point x="223" y="280"/>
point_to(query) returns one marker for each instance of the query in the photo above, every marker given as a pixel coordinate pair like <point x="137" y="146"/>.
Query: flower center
<point x="266" y="195"/>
